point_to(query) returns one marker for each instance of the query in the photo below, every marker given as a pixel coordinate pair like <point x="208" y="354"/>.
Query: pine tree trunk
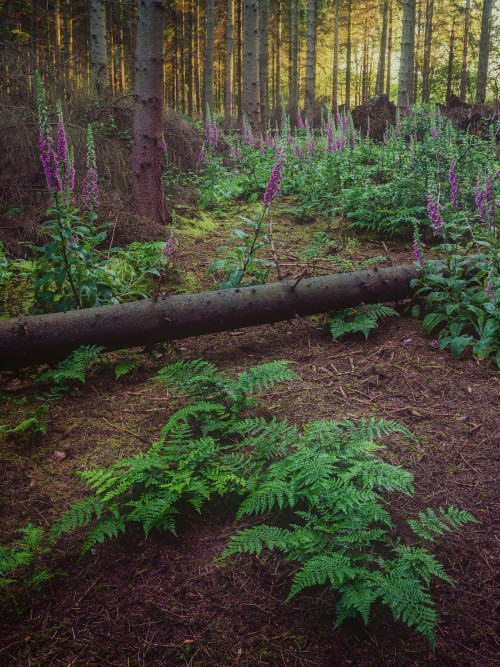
<point x="30" y="340"/>
<point x="190" y="54"/>
<point x="98" y="54"/>
<point x="197" y="56"/>
<point x="311" y="61"/>
<point x="264" y="63"/>
<point x="364" y="75"/>
<point x="277" y="85"/>
<point x="228" y="100"/>
<point x="484" y="52"/>
<point x="463" y="78"/>
<point x="451" y="55"/>
<point x="407" y="57"/>
<point x="379" y="86"/>
<point x="147" y="156"/>
<point x="251" y="84"/>
<point x="335" y="83"/>
<point x="111" y="49"/>
<point x="389" y="53"/>
<point x="348" y="56"/>
<point x="294" y="98"/>
<point x="239" y="75"/>
<point x="123" y="84"/>
<point x="426" y="74"/>
<point x="183" y="59"/>
<point x="208" y="97"/>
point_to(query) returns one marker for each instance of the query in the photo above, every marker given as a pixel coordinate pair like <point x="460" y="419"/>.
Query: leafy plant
<point x="341" y="531"/>
<point x="361" y="319"/>
<point x="23" y="559"/>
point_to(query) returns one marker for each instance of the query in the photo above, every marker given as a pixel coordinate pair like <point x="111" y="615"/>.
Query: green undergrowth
<point x="324" y="490"/>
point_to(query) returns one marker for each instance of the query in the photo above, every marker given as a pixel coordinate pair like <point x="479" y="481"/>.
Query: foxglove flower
<point x="169" y="248"/>
<point x="454" y="184"/>
<point x="480" y="202"/>
<point x="489" y="290"/>
<point x="91" y="190"/>
<point x="417" y="249"/>
<point x="434" y="210"/>
<point x="273" y="187"/>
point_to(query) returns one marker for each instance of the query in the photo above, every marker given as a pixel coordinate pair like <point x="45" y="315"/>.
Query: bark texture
<point x="379" y="86"/>
<point x="147" y="155"/>
<point x="426" y="69"/>
<point x="98" y="53"/>
<point x="484" y="52"/>
<point x="208" y="87"/>
<point x="31" y="340"/>
<point x="228" y="97"/>
<point x="348" y="56"/>
<point x="407" y="57"/>
<point x="465" y="49"/>
<point x="251" y="85"/>
<point x="264" y="63"/>
<point x="335" y="84"/>
<point x="311" y="61"/>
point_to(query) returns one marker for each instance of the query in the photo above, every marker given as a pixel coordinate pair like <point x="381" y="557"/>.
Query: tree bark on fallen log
<point x="31" y="340"/>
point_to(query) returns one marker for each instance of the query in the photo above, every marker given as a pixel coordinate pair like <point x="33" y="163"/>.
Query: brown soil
<point x="164" y="601"/>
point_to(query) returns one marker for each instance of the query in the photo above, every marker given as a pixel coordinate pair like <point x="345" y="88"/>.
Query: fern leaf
<point x="253" y="540"/>
<point x="429" y="524"/>
<point x="264" y="376"/>
<point x="125" y="366"/>
<point x="80" y="514"/>
<point x="333" y="567"/>
<point x="108" y="527"/>
<point x="357" y="597"/>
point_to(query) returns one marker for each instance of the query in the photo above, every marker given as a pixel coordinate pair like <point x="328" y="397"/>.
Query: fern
<point x="429" y="524"/>
<point x="73" y="367"/>
<point x="21" y="561"/>
<point x="125" y="366"/>
<point x="362" y="319"/>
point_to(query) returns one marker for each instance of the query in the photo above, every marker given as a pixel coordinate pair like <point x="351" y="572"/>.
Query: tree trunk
<point x="147" y="156"/>
<point x="190" y="68"/>
<point x="311" y="61"/>
<point x="98" y="54"/>
<point x="463" y="79"/>
<point x="183" y="59"/>
<point x="294" y="97"/>
<point x="197" y="56"/>
<point x="335" y="83"/>
<point x="426" y="73"/>
<point x="36" y="339"/>
<point x="484" y="52"/>
<point x="251" y="86"/>
<point x="389" y="53"/>
<point x="348" y="56"/>
<point x="407" y="57"/>
<point x="208" y="88"/>
<point x="277" y="85"/>
<point x="379" y="86"/>
<point x="264" y="63"/>
<point x="228" y="100"/>
<point x="451" y="55"/>
<point x="122" y="53"/>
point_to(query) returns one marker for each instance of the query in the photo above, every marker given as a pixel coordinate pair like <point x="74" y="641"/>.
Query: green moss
<point x="203" y="222"/>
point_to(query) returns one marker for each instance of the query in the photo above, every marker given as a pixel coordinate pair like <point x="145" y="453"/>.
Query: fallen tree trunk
<point x="36" y="339"/>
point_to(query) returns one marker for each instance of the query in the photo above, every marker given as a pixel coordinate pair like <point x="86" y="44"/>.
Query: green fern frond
<point x="410" y="602"/>
<point x="154" y="511"/>
<point x="381" y="475"/>
<point x="362" y="319"/>
<point x="266" y="496"/>
<point x="125" y="366"/>
<point x="429" y="524"/>
<point x="196" y="376"/>
<point x="358" y="596"/>
<point x="73" y="367"/>
<point x="108" y="527"/>
<point x="418" y="562"/>
<point x="253" y="540"/>
<point x="333" y="567"/>
<point x="80" y="514"/>
<point x="264" y="376"/>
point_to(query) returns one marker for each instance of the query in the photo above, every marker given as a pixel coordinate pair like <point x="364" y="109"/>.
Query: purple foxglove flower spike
<point x="273" y="187"/>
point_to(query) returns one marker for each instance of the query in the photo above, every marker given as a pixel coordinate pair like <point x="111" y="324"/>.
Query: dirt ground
<point x="164" y="601"/>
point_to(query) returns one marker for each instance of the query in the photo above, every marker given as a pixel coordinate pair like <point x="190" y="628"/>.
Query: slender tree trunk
<point x="197" y="56"/>
<point x="112" y="48"/>
<point x="389" y="53"/>
<point x="484" y="52"/>
<point x="183" y="59"/>
<point x="208" y="97"/>
<point x="379" y="86"/>
<point x="364" y="76"/>
<point x="451" y="55"/>
<point x="123" y="84"/>
<point x="463" y="79"/>
<point x="294" y="96"/>
<point x="264" y="63"/>
<point x="335" y="83"/>
<point x="311" y="61"/>
<point x="176" y="61"/>
<point x="426" y="74"/>
<point x="189" y="65"/>
<point x="251" y="85"/>
<point x="57" y="27"/>
<point x="348" y="56"/>
<point x="277" y="86"/>
<point x="228" y="101"/>
<point x="147" y="156"/>
<point x="30" y="340"/>
<point x="417" y="50"/>
<point x="239" y="75"/>
<point x="98" y="53"/>
<point x="407" y="57"/>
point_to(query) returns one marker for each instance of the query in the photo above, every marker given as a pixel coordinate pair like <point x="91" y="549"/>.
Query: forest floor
<point x="164" y="601"/>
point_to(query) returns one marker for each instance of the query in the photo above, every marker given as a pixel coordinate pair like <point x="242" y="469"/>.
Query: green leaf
<point x="431" y="321"/>
<point x="459" y="344"/>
